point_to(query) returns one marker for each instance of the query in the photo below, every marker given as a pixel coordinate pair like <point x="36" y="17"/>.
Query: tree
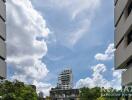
<point x="89" y="94"/>
<point x="95" y="94"/>
<point x="17" y="91"/>
<point x="101" y="98"/>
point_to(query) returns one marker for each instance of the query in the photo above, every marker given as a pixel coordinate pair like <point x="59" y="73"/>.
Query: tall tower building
<point x="65" y="79"/>
<point x="123" y="39"/>
<point x="2" y="39"/>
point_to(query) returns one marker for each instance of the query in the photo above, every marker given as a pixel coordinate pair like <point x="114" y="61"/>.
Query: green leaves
<point x="17" y="91"/>
<point x="89" y="94"/>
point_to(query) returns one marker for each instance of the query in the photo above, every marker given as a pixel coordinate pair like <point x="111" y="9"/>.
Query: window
<point x="129" y="37"/>
<point x="129" y="8"/>
<point x="129" y="63"/>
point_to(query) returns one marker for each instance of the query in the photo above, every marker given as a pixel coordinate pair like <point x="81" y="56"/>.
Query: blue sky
<point x="80" y="56"/>
<point x="59" y="34"/>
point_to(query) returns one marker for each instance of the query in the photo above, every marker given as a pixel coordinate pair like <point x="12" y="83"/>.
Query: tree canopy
<point x="94" y="94"/>
<point x="17" y="91"/>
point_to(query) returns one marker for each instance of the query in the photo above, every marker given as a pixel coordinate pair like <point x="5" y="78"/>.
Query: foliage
<point x="17" y="91"/>
<point x="101" y="98"/>
<point x="48" y="98"/>
<point x="95" y="94"/>
<point x="89" y="94"/>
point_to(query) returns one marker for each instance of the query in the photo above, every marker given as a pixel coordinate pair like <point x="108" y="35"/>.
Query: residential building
<point x="65" y="79"/>
<point x="2" y="39"/>
<point x="64" y="90"/>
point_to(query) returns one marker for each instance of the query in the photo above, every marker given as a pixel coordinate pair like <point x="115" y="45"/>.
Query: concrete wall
<point x="123" y="51"/>
<point x="123" y="24"/>
<point x="119" y="9"/>
<point x="127" y="76"/>
<point x="2" y="9"/>
<point x="2" y="39"/>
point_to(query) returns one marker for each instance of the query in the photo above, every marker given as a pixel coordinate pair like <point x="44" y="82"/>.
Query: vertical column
<point x="2" y="39"/>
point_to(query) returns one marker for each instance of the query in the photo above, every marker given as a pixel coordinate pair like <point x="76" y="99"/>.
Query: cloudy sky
<point x="46" y="36"/>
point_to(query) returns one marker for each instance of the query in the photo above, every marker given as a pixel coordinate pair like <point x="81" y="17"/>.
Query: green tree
<point x="89" y="94"/>
<point x="17" y="91"/>
<point x="95" y="94"/>
<point x="101" y="98"/>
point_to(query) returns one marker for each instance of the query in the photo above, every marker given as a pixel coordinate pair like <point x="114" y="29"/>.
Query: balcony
<point x="2" y="29"/>
<point x="2" y="69"/>
<point x="123" y="54"/>
<point x="127" y="77"/>
<point x="122" y="28"/>
<point x="2" y="49"/>
<point x="2" y="10"/>
<point x="119" y="9"/>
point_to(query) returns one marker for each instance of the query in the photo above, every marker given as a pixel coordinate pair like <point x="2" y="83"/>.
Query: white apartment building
<point x="2" y="39"/>
<point x="65" y="79"/>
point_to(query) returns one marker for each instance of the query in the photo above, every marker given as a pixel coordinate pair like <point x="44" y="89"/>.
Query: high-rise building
<point x="123" y="39"/>
<point x="65" y="79"/>
<point x="64" y="90"/>
<point x="2" y="39"/>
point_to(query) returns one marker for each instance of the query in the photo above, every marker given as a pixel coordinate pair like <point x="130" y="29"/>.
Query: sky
<point x="46" y="36"/>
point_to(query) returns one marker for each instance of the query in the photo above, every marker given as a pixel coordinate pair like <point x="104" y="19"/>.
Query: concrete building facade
<point x="2" y="39"/>
<point x="65" y="79"/>
<point x="64" y="90"/>
<point x="60" y="94"/>
<point x="123" y="39"/>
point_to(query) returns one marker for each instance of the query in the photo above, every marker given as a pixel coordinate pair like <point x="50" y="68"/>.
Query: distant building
<point x="64" y="94"/>
<point x="41" y="96"/>
<point x="65" y="79"/>
<point x="64" y="90"/>
<point x="2" y="39"/>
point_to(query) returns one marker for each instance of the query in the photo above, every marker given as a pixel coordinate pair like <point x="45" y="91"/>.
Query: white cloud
<point x="83" y="5"/>
<point x="74" y="7"/>
<point x="83" y="11"/>
<point x="116" y="81"/>
<point x="24" y="51"/>
<point x="76" y="35"/>
<point x="108" y="55"/>
<point x="99" y="80"/>
<point x="43" y="87"/>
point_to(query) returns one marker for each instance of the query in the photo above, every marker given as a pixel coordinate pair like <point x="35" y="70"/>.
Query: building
<point x="64" y="90"/>
<point x="123" y="39"/>
<point x="67" y="94"/>
<point x="2" y="39"/>
<point x="65" y="79"/>
<point x="41" y="96"/>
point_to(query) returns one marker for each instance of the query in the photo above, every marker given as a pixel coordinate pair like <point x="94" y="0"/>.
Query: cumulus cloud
<point x="116" y="81"/>
<point x="24" y="50"/>
<point x="98" y="77"/>
<point x="108" y="55"/>
<point x="43" y="87"/>
<point x="99" y="80"/>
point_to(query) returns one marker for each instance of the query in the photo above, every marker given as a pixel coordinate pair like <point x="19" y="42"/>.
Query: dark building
<point x="60" y="94"/>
